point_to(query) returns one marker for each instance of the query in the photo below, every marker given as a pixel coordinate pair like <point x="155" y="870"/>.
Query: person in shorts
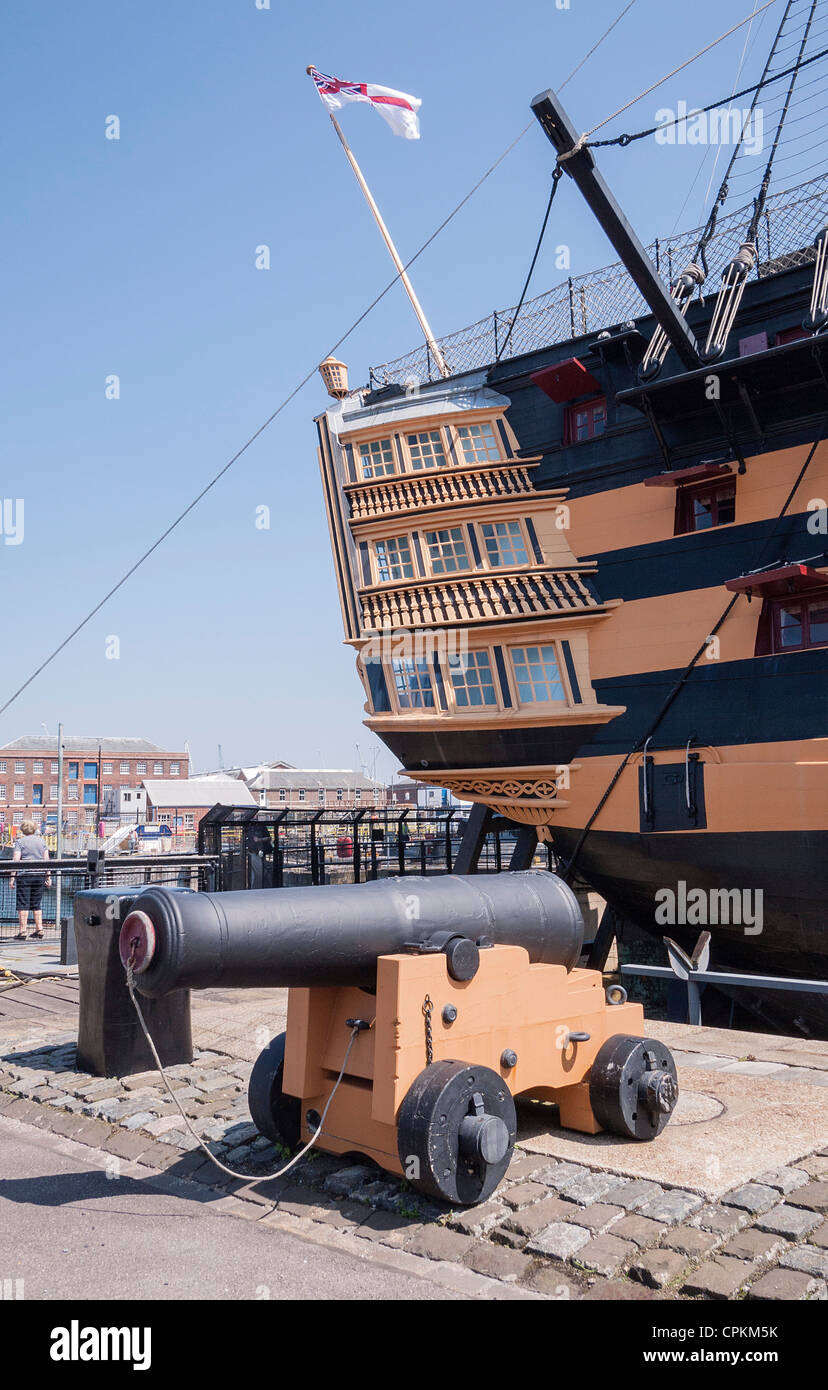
<point x="30" y="848"/>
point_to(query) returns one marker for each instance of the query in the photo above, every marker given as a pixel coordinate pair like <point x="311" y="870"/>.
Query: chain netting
<point x="608" y="297"/>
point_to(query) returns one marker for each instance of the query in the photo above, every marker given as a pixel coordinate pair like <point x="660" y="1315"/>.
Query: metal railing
<point x="291" y="847"/>
<point x="199" y="872"/>
<point x="608" y="297"/>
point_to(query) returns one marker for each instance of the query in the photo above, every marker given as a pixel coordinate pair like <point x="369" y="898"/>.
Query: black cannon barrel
<point x="332" y="935"/>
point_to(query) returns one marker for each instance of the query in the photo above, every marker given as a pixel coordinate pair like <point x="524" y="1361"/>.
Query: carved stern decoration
<point x="469" y="613"/>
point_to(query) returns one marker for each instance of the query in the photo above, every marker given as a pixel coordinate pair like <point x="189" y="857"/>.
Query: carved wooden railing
<point x="479" y="598"/>
<point x="411" y="492"/>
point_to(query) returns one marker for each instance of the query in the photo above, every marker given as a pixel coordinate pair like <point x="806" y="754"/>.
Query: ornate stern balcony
<point x="541" y="592"/>
<point x="420" y="492"/>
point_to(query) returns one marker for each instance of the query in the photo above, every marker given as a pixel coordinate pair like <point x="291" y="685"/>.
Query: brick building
<point x="95" y="772"/>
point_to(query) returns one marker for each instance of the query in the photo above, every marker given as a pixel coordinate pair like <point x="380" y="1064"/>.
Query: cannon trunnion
<point x="455" y="995"/>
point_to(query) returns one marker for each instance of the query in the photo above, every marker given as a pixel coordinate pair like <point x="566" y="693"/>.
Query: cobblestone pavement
<point x="554" y="1229"/>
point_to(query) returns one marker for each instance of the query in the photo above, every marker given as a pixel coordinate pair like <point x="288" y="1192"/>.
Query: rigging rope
<point x="556" y="178"/>
<point x="628" y="139"/>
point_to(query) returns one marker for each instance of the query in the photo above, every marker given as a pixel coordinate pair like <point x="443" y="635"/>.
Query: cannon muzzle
<point x="333" y="935"/>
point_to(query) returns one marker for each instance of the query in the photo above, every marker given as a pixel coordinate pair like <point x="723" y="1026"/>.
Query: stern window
<point x="447" y="550"/>
<point x="426" y="450"/>
<point x="377" y="458"/>
<point x="478" y="443"/>
<point x="394" y="559"/>
<point x="537" y="675"/>
<point x="412" y="682"/>
<point x="472" y="680"/>
<point x="504" y="543"/>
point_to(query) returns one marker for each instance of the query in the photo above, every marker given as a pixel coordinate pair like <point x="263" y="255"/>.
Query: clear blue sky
<point x="136" y="257"/>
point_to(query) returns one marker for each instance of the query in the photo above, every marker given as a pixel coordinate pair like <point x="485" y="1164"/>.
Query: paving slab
<point x="724" y="1131"/>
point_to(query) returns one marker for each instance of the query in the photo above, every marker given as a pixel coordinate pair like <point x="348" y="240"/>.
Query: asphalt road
<point x="72" y="1233"/>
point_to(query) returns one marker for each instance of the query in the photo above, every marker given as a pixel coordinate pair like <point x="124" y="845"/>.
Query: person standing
<point x="30" y="847"/>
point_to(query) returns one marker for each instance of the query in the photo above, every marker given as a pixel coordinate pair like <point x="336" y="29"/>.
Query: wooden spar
<point x="392" y="251"/>
<point x="580" y="165"/>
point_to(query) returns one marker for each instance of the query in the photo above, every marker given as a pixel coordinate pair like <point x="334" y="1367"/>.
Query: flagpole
<point x="392" y="251"/>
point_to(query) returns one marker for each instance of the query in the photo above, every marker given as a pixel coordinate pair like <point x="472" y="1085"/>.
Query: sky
<point x="136" y="258"/>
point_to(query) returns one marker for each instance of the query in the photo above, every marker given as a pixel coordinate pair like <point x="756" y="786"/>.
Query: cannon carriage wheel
<point x="456" y="1130"/>
<point x="276" y="1115"/>
<point x="633" y="1086"/>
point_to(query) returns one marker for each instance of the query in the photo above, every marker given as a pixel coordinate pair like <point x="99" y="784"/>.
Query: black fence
<point x="264" y="849"/>
<point x="74" y="875"/>
<point x="258" y="848"/>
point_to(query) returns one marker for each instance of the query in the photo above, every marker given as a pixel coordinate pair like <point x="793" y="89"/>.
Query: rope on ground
<point x="245" y="1177"/>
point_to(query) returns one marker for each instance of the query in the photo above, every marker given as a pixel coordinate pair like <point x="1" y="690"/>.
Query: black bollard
<point x="110" y="1039"/>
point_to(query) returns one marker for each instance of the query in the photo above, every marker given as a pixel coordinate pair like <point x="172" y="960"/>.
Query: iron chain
<point x="429" y="1040"/>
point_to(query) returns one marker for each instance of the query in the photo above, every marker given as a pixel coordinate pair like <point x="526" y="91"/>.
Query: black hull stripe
<point x="683" y="563"/>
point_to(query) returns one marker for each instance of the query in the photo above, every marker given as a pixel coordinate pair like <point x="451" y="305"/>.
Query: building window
<point x="447" y="550"/>
<point x="72" y="791"/>
<point x="321" y="796"/>
<point x="90" y="772"/>
<point x="339" y="794"/>
<point x="158" y="769"/>
<point x="426" y="450"/>
<point x="301" y="793"/>
<point x="394" y="559"/>
<point x="537" y="675"/>
<point x="709" y="504"/>
<point x="504" y="543"/>
<point x="124" y="769"/>
<point x="585" y="421"/>
<point x="37" y="793"/>
<point x="357" y="794"/>
<point x="412" y="681"/>
<point x="19" y="792"/>
<point x="2" y="791"/>
<point x="72" y="774"/>
<point x="53" y="791"/>
<point x="19" y="766"/>
<point x="175" y="769"/>
<point x="472" y="680"/>
<point x="37" y="765"/>
<point x="189" y="820"/>
<point x="478" y="443"/>
<point x="126" y="796"/>
<point x="799" y="623"/>
<point x="18" y="817"/>
<point x="141" y="769"/>
<point x="90" y="794"/>
<point x="282" y="794"/>
<point x="107" y="767"/>
<point x="55" y="769"/>
<point x="71" y="817"/>
<point x="3" y="765"/>
<point x="377" y="458"/>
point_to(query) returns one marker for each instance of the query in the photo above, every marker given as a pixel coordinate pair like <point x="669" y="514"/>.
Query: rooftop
<point x="197" y="791"/>
<point x="273" y="779"/>
<point x="81" y="743"/>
